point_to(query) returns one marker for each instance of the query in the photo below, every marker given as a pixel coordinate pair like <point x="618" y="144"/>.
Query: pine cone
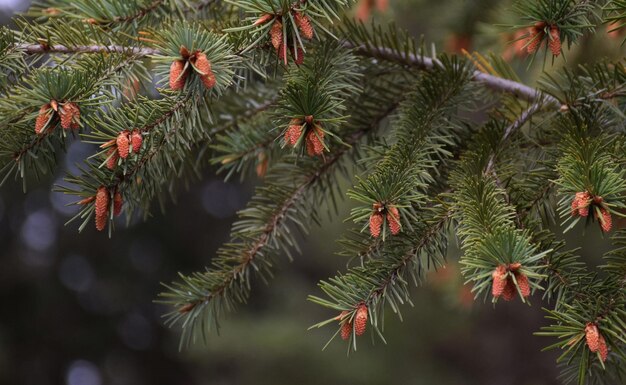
<point x="123" y="144"/>
<point x="315" y="141"/>
<point x="70" y="116"/>
<point x="276" y="34"/>
<point x="117" y="203"/>
<point x="535" y="37"/>
<point x="136" y="140"/>
<point x="206" y="74"/>
<point x="509" y="290"/>
<point x="44" y="117"/>
<point x="393" y="219"/>
<point x="304" y="25"/>
<point x="282" y="53"/>
<point x="581" y="203"/>
<point x="346" y="330"/>
<point x="113" y="156"/>
<point x="602" y="348"/>
<point x="360" y="320"/>
<point x="376" y="224"/>
<point x="102" y="207"/>
<point x="298" y="56"/>
<point x="263" y="19"/>
<point x="178" y="75"/>
<point x="523" y="284"/>
<point x="293" y="133"/>
<point x="605" y="220"/>
<point x="555" y="40"/>
<point x="515" y="266"/>
<point x="592" y="335"/>
<point x="499" y="277"/>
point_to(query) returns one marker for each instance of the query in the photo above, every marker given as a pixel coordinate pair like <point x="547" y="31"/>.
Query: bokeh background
<point x="78" y="309"/>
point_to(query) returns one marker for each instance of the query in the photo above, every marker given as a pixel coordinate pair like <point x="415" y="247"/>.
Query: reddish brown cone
<point x="117" y="203"/>
<point x="523" y="284"/>
<point x="376" y="224"/>
<point x="360" y="320"/>
<point x="206" y="74"/>
<point x="595" y="340"/>
<point x="315" y="141"/>
<point x="509" y="290"/>
<point x="499" y="277"/>
<point x="136" y="140"/>
<point x="346" y="330"/>
<point x="70" y="116"/>
<point x="602" y="348"/>
<point x="112" y="158"/>
<point x="535" y="36"/>
<point x="298" y="56"/>
<point x="605" y="220"/>
<point x="293" y="133"/>
<point x="304" y="25"/>
<point x="178" y="75"/>
<point x="555" y="40"/>
<point x="393" y="219"/>
<point x="44" y="117"/>
<point x="123" y="144"/>
<point x="276" y="34"/>
<point x="102" y="207"/>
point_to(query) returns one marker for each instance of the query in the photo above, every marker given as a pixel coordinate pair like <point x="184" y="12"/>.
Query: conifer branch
<point x="58" y="48"/>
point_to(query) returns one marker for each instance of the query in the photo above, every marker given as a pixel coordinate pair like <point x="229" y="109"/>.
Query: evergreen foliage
<point x="433" y="144"/>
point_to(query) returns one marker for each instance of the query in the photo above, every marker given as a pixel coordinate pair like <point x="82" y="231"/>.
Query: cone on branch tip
<point x="580" y="204"/>
<point x="377" y="218"/>
<point x="596" y="341"/>
<point x="293" y="132"/>
<point x="360" y="320"/>
<point x="203" y="66"/>
<point x="70" y="116"/>
<point x="606" y="223"/>
<point x="376" y="224"/>
<point x="503" y="284"/>
<point x="393" y="219"/>
<point x="346" y="330"/>
<point x="123" y="144"/>
<point x="117" y="203"/>
<point x="555" y="40"/>
<point x="276" y="34"/>
<point x="136" y="140"/>
<point x="102" y="207"/>
<point x="304" y="25"/>
<point x="315" y="141"/>
<point x="535" y="36"/>
<point x="113" y="156"/>
<point x="43" y="118"/>
<point x="178" y="75"/>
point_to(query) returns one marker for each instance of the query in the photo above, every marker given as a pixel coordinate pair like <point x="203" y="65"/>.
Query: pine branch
<point x="58" y="48"/>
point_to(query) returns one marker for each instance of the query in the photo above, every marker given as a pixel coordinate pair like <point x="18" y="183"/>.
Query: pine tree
<point x="306" y="98"/>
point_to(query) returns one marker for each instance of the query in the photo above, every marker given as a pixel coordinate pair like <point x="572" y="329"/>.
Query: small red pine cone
<point x="112" y="158"/>
<point x="509" y="290"/>
<point x="535" y="38"/>
<point x="605" y="220"/>
<point x="178" y="75"/>
<point x="376" y="224"/>
<point x="102" y="207"/>
<point x="204" y="66"/>
<point x="360" y="320"/>
<point x="136" y="140"/>
<point x="602" y="348"/>
<point x="582" y="200"/>
<point x="43" y="118"/>
<point x="499" y="277"/>
<point x="70" y="116"/>
<point x="523" y="284"/>
<point x="123" y="144"/>
<point x="298" y="56"/>
<point x="393" y="219"/>
<point x="304" y="25"/>
<point x="346" y="330"/>
<point x="263" y="19"/>
<point x="315" y="141"/>
<point x="592" y="335"/>
<point x="276" y="34"/>
<point x="282" y="53"/>
<point x="555" y="40"/>
<point x="294" y="132"/>
<point x="117" y="203"/>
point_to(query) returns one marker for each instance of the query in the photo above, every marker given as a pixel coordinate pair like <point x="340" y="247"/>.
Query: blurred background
<point x="78" y="309"/>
